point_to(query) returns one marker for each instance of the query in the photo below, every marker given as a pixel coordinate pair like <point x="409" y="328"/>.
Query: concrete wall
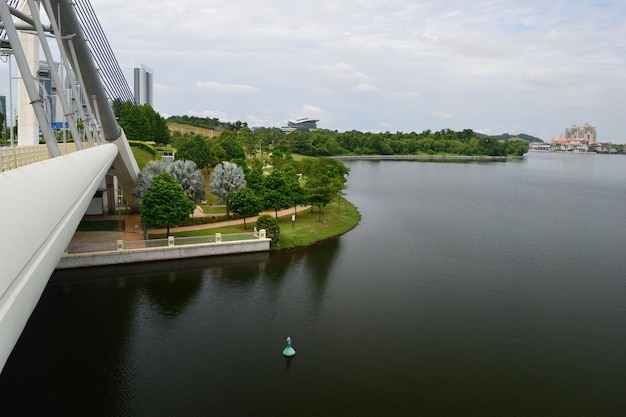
<point x="81" y="260"/>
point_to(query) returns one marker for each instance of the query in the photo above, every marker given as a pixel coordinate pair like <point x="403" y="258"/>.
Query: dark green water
<point x="468" y="289"/>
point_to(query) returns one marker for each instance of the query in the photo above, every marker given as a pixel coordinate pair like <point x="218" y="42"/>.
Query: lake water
<point x="468" y="289"/>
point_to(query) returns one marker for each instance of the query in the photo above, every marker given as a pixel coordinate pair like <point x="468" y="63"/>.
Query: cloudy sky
<point x="494" y="66"/>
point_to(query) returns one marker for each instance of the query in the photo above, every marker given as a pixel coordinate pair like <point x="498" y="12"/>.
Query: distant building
<point x="586" y="132"/>
<point x="303" y="123"/>
<point x="144" y="85"/>
<point x="3" y="106"/>
<point x="576" y="138"/>
<point x="50" y="93"/>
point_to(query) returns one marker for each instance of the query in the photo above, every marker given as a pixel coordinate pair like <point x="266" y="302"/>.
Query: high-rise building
<point x="144" y="86"/>
<point x="3" y="107"/>
<point x="585" y="131"/>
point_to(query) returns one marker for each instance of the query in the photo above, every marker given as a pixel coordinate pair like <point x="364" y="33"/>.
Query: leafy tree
<point x="319" y="191"/>
<point x="292" y="180"/>
<point x="255" y="177"/>
<point x="270" y="224"/>
<point x="165" y="203"/>
<point x="325" y="179"/>
<point x="195" y="149"/>
<point x="226" y="178"/>
<point x="217" y="154"/>
<point x="277" y="193"/>
<point x="245" y="203"/>
<point x="141" y="122"/>
<point x="232" y="148"/>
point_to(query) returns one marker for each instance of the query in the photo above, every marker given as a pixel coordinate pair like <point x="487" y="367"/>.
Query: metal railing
<point x="12" y="157"/>
<point x="121" y="245"/>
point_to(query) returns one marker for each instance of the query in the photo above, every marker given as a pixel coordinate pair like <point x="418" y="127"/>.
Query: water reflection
<point x="170" y="293"/>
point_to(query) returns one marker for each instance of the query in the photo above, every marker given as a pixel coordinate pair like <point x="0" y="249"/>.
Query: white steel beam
<point x="42" y="205"/>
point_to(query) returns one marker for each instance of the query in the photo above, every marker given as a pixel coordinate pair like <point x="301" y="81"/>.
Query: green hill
<point x="506" y="136"/>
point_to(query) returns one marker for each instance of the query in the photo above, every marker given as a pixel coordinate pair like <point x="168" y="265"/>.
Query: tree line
<point x="333" y="143"/>
<point x="143" y="123"/>
<point x="446" y="141"/>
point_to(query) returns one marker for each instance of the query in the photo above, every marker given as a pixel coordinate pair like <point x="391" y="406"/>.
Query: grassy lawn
<point x="309" y="229"/>
<point x="141" y="156"/>
<point x="209" y="209"/>
<point x="100" y="225"/>
<point x="306" y="230"/>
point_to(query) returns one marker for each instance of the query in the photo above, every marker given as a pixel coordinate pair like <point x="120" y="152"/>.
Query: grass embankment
<point x="184" y="128"/>
<point x="306" y="230"/>
<point x="141" y="156"/>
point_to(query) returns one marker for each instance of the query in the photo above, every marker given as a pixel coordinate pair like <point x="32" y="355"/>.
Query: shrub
<point x="146" y="146"/>
<point x="270" y="225"/>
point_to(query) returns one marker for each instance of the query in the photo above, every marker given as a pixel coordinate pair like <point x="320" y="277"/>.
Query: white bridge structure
<point x="42" y="203"/>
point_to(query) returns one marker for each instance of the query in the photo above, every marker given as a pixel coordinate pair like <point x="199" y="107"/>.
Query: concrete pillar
<point x="27" y="127"/>
<point x="110" y="194"/>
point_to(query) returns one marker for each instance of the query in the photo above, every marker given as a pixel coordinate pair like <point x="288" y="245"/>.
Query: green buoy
<point x="288" y="350"/>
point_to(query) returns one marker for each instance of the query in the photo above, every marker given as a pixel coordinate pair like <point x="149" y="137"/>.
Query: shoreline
<point x="100" y="258"/>
<point x="426" y="158"/>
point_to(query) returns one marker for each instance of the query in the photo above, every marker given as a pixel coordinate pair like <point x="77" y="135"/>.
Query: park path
<point x="134" y="232"/>
<point x="133" y="219"/>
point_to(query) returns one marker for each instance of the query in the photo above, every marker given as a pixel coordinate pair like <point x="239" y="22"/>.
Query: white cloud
<point x="313" y="112"/>
<point x="226" y="88"/>
<point x="565" y="78"/>
<point x="536" y="65"/>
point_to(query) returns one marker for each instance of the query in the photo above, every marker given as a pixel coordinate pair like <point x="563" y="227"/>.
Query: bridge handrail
<point x="12" y="157"/>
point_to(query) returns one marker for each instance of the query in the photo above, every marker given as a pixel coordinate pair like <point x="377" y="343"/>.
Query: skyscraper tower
<point x="144" y="86"/>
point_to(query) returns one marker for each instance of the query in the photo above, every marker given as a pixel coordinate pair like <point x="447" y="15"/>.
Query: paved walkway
<point x="281" y="213"/>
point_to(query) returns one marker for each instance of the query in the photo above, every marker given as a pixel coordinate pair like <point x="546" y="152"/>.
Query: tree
<point x="292" y="180"/>
<point x="217" y="154"/>
<point x="195" y="149"/>
<point x="232" y="148"/>
<point x="277" y="193"/>
<point x="325" y="179"/>
<point x="255" y="176"/>
<point x="185" y="172"/>
<point x="319" y="191"/>
<point x="146" y="177"/>
<point x="245" y="203"/>
<point x="189" y="177"/>
<point x="141" y="122"/>
<point x="165" y="203"/>
<point x="270" y="224"/>
<point x="226" y="178"/>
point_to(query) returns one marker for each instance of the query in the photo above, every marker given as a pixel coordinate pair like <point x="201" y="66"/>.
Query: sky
<point x="494" y="66"/>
